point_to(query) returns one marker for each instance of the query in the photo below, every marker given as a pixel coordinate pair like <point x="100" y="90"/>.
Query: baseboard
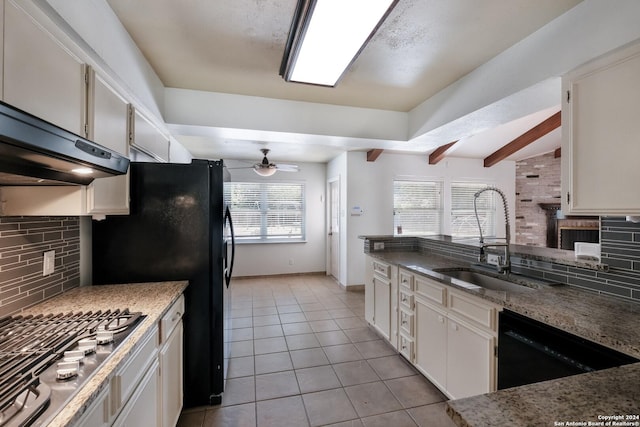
<point x="262" y="276"/>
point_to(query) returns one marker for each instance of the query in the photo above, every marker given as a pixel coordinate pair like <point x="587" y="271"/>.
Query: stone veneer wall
<point x="23" y="240"/>
<point x="620" y="252"/>
<point x="537" y="181"/>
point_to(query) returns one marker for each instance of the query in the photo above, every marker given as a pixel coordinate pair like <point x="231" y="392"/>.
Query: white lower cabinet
<point x="431" y="340"/>
<point x="98" y="414"/>
<point x="171" y="362"/>
<point x="470" y="360"/>
<point x="147" y="389"/>
<point x="381" y="298"/>
<point x="142" y="409"/>
<point x="453" y="336"/>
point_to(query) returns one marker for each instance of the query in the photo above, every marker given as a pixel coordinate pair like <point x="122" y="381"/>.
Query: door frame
<point x="333" y="270"/>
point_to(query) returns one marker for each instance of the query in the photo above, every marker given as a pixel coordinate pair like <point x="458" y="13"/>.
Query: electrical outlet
<point x="494" y="259"/>
<point x="378" y="246"/>
<point x="48" y="262"/>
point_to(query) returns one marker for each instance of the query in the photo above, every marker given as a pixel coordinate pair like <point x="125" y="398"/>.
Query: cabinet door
<point x="109" y="127"/>
<point x="98" y="413"/>
<point x="171" y="373"/>
<point x="40" y="76"/>
<point x="470" y="361"/>
<point x="142" y="409"/>
<point x="382" y="306"/>
<point x="600" y="128"/>
<point x="148" y="139"/>
<point x="431" y="343"/>
<point x="368" y="291"/>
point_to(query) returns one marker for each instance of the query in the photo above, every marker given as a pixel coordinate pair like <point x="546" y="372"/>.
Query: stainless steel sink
<point x="473" y="279"/>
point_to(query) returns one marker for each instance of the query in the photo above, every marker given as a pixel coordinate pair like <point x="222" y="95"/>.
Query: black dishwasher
<point x="530" y="351"/>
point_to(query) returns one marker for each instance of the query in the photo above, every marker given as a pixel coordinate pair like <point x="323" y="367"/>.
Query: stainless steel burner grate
<point x="29" y="345"/>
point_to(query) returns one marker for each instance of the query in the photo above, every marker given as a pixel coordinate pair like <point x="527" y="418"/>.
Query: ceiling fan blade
<point x="287" y="168"/>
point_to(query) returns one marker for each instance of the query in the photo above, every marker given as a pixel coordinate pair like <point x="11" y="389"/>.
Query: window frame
<point x="489" y="199"/>
<point x="264" y="211"/>
<point x="438" y="209"/>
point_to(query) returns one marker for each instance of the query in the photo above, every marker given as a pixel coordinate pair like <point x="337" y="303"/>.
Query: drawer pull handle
<point x="176" y="316"/>
<point x="404" y="322"/>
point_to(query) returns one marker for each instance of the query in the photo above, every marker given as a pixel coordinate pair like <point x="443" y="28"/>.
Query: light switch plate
<point x="48" y="262"/>
<point x="378" y="246"/>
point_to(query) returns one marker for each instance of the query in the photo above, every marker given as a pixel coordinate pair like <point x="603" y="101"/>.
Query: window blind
<point x="417" y="207"/>
<point x="267" y="211"/>
<point x="463" y="220"/>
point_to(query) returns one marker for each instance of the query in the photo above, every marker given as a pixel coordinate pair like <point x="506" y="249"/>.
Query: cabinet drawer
<point x="127" y="379"/>
<point x="406" y="299"/>
<point x="406" y="280"/>
<point x="382" y="269"/>
<point x="473" y="309"/>
<point x="431" y="290"/>
<point x="171" y="319"/>
<point x="406" y="322"/>
<point x="406" y="347"/>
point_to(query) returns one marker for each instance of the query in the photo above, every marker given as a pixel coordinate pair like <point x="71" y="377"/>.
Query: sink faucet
<point x="502" y="263"/>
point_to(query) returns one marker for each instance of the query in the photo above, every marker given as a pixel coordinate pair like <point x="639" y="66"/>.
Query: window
<point x="417" y="207"/>
<point x="463" y="219"/>
<point x="266" y="211"/>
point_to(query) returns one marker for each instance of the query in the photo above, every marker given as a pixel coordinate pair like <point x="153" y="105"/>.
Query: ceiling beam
<point x="372" y="155"/>
<point x="439" y="153"/>
<point x="557" y="153"/>
<point x="523" y="140"/>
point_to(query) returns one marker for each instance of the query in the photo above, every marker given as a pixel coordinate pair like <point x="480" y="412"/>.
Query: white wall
<point x="273" y="258"/>
<point x="370" y="186"/>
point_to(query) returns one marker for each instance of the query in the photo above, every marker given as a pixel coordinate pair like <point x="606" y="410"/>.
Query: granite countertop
<point x="571" y="401"/>
<point x="152" y="299"/>
<point x="574" y="400"/>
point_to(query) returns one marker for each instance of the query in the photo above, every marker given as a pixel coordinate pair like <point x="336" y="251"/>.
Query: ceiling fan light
<point x="268" y="171"/>
<point x="327" y="36"/>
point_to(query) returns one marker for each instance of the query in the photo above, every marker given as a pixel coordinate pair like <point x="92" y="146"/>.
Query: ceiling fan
<point x="266" y="168"/>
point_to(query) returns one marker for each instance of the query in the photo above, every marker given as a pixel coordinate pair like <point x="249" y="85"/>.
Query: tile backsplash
<point x="620" y="251"/>
<point x="23" y="241"/>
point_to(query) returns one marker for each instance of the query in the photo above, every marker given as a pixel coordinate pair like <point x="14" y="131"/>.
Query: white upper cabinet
<point x="109" y="126"/>
<point x="148" y="139"/>
<point x="40" y="76"/>
<point x="601" y="135"/>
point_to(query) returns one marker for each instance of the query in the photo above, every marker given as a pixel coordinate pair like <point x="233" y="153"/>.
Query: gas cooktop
<point x="45" y="359"/>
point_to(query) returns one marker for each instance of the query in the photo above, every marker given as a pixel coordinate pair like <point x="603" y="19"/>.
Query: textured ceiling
<point x="235" y="46"/>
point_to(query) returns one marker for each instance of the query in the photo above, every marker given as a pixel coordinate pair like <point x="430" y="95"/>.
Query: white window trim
<point x="265" y="239"/>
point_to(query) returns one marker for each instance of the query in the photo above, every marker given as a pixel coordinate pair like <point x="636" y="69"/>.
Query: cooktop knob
<point x="66" y="370"/>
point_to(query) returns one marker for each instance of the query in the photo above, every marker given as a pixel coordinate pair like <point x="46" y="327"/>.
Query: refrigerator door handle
<point x="229" y="269"/>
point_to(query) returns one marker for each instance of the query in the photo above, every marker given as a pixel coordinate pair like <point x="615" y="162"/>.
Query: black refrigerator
<point x="179" y="228"/>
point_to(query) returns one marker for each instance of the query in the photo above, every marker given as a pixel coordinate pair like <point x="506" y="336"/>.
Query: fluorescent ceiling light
<point x="327" y="35"/>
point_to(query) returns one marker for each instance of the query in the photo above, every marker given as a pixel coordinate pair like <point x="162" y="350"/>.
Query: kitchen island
<point x="151" y="299"/>
<point x="607" y="320"/>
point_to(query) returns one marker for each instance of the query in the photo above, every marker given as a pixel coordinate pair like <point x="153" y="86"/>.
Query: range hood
<point x="36" y="152"/>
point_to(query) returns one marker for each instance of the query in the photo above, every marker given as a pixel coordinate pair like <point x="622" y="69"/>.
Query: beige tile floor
<point x="302" y="355"/>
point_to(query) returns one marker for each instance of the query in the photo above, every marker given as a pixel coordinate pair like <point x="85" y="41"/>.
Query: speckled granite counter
<point x="577" y="400"/>
<point x="610" y="321"/>
<point x="152" y="299"/>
